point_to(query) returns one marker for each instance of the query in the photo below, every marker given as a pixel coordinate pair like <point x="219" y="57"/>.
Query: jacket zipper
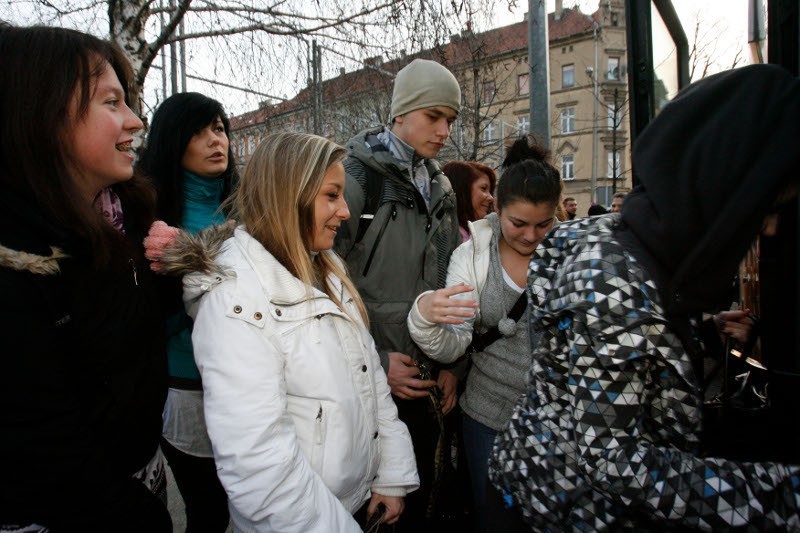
<point x="428" y="226"/>
<point x="318" y="440"/>
<point x="378" y="239"/>
<point x="133" y="267"/>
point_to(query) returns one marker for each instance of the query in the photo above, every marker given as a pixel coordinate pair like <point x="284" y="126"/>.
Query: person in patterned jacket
<point x="608" y="436"/>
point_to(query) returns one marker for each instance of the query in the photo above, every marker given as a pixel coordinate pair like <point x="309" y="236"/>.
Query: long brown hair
<point x="44" y="71"/>
<point x="275" y="202"/>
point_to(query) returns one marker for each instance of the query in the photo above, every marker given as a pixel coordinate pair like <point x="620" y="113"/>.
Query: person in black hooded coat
<point x="608" y="435"/>
<point x="83" y="373"/>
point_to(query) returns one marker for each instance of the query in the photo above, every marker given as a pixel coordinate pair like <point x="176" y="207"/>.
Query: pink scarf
<point x="110" y="206"/>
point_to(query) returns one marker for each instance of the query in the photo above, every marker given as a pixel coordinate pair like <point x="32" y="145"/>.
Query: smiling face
<point x="100" y="142"/>
<point x="330" y="209"/>
<point x="481" y="194"/>
<point x="206" y="155"/>
<point x="425" y="130"/>
<point x="524" y="224"/>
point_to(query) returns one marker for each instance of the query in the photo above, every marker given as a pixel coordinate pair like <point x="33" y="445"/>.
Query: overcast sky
<point x="723" y="22"/>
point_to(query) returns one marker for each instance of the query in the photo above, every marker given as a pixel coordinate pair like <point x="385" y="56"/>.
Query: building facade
<point x="588" y="100"/>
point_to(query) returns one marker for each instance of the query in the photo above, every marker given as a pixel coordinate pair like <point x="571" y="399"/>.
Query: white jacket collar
<point x="282" y="287"/>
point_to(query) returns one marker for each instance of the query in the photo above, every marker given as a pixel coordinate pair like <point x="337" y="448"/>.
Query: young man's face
<point x="571" y="207"/>
<point x="425" y="130"/>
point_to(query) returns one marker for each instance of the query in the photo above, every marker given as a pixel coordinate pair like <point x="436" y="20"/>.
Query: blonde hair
<point x="275" y="202"/>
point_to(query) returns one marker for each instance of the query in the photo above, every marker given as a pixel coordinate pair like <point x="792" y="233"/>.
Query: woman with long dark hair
<point x="83" y="372"/>
<point x="188" y="157"/>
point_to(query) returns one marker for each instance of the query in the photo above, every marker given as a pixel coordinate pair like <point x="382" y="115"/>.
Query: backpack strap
<point x="481" y="340"/>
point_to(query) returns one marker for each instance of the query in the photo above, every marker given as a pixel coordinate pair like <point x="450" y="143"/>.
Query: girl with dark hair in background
<point x="188" y="157"/>
<point x="485" y="282"/>
<point x="474" y="185"/>
<point x="83" y="372"/>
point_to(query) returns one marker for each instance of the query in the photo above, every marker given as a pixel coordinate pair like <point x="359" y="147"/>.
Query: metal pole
<point x="596" y="97"/>
<point x="614" y="147"/>
<point x="163" y="59"/>
<point x="173" y="56"/>
<point x="315" y="79"/>
<point x="319" y="91"/>
<point x="539" y="64"/>
<point x="183" y="58"/>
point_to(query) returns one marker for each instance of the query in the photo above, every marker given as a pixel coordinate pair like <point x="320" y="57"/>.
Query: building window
<point x="613" y="68"/>
<point x="488" y="92"/>
<point x="251" y="145"/>
<point x="568" y="167"/>
<point x="488" y="132"/>
<point x="568" y="75"/>
<point x="523" y="84"/>
<point x="523" y="125"/>
<point x="568" y="120"/>
<point x="604" y="195"/>
<point x="611" y="158"/>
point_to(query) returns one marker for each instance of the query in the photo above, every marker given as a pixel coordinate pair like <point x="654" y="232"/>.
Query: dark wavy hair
<point x="44" y="71"/>
<point x="462" y="174"/>
<point x="174" y="124"/>
<point x="528" y="174"/>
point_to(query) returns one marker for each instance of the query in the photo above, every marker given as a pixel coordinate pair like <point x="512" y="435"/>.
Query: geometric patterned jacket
<point x="607" y="434"/>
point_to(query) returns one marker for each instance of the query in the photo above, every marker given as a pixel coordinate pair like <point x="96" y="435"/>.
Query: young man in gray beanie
<point x="397" y="244"/>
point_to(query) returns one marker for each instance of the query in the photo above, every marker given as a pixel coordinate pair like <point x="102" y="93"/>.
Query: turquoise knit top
<point x="201" y="200"/>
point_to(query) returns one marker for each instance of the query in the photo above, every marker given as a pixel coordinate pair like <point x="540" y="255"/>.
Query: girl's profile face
<point x="206" y="155"/>
<point x="330" y="209"/>
<point x="99" y="144"/>
<point x="481" y="196"/>
<point x="524" y="224"/>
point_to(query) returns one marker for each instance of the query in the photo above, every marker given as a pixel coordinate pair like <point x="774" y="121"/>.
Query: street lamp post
<point x="596" y="97"/>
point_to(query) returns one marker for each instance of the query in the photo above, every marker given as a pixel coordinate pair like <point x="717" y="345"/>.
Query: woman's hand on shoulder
<point x="159" y="237"/>
<point x="441" y="308"/>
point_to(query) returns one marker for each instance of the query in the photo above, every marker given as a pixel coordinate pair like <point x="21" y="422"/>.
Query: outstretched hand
<point x="440" y="307"/>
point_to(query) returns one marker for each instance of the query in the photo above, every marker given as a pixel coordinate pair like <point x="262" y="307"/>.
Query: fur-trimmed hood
<point x="196" y="253"/>
<point x="195" y="258"/>
<point x="30" y="262"/>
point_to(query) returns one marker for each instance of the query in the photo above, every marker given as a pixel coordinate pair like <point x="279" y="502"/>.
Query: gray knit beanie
<point x="423" y="83"/>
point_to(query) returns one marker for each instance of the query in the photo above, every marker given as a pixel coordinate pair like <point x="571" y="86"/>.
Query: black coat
<point x="82" y="380"/>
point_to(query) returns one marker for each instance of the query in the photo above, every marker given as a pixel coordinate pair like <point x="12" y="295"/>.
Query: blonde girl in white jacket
<point x="300" y="416"/>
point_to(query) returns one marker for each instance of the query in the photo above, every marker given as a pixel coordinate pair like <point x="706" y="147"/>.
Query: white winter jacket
<point x="469" y="264"/>
<point x="299" y="413"/>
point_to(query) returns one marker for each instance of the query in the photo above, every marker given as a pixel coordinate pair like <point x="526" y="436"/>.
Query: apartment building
<point x="588" y="99"/>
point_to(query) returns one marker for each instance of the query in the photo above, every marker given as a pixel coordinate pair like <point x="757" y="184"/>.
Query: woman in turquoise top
<point x="188" y="157"/>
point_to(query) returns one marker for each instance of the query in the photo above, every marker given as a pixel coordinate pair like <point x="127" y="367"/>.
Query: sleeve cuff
<point x="391" y="491"/>
<point x="416" y="317"/>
